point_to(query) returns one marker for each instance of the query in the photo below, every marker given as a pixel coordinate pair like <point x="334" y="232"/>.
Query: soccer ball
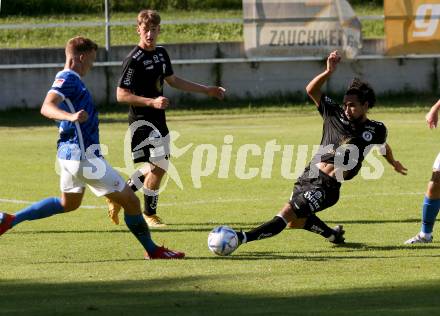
<point x="222" y="240"/>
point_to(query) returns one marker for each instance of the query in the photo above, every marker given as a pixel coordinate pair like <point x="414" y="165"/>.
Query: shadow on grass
<point x="362" y="246"/>
<point x="187" y="296"/>
<point x="375" y="221"/>
<point x="23" y="118"/>
<point x="199" y="227"/>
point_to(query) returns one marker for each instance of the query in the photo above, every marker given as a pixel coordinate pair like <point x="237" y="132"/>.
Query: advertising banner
<point x="281" y="28"/>
<point x="412" y="26"/>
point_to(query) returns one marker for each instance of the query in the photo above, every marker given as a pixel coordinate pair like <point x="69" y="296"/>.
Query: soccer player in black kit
<point x="346" y="128"/>
<point x="141" y="87"/>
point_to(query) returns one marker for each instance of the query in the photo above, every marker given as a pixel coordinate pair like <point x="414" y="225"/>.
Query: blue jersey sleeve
<point x="66" y="85"/>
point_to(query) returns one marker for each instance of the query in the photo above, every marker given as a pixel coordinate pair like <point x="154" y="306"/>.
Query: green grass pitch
<point x="81" y="264"/>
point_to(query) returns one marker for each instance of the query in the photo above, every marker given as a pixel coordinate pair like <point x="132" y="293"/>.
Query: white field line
<point x="12" y="201"/>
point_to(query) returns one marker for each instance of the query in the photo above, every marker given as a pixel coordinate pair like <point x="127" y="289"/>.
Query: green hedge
<point x="38" y="7"/>
<point x="378" y="3"/>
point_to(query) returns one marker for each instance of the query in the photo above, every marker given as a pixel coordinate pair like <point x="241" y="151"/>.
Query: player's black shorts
<point x="314" y="192"/>
<point x="148" y="145"/>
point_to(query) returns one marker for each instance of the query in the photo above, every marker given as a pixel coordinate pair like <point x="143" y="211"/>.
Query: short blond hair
<point x="148" y="17"/>
<point x="80" y="45"/>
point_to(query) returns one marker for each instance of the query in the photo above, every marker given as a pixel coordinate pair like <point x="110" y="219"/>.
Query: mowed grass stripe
<point x="81" y="263"/>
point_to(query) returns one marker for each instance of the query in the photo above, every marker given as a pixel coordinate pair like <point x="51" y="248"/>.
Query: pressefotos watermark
<point x="228" y="160"/>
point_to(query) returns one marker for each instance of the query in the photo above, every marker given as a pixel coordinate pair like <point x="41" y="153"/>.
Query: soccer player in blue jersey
<point x="70" y="104"/>
<point x="146" y="68"/>
<point x="431" y="202"/>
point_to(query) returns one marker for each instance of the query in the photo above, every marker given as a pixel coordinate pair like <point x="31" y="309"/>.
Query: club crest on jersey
<point x="58" y="83"/>
<point x="367" y="136"/>
<point x="156" y="59"/>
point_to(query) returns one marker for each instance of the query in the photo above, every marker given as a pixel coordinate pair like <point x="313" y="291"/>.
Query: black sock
<point x="268" y="229"/>
<point x="315" y="225"/>
<point x="132" y="184"/>
<point x="150" y="204"/>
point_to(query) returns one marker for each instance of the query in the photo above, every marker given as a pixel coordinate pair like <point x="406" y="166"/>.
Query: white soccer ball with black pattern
<point x="222" y="240"/>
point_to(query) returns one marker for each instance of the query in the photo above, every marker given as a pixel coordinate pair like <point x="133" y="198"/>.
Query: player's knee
<point x="287" y="213"/>
<point x="435" y="178"/>
<point x="433" y="191"/>
<point x="69" y="206"/>
<point x="158" y="171"/>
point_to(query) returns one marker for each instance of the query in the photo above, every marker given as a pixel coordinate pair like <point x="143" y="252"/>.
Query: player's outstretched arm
<point x="432" y="115"/>
<point x="189" y="86"/>
<point x="398" y="167"/>
<point x="314" y="87"/>
<point x="51" y="110"/>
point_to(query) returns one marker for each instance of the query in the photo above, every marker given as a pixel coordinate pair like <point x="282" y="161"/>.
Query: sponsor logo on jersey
<point x="149" y="67"/>
<point x="156" y="59"/>
<point x="128" y="76"/>
<point x="343" y="120"/>
<point x="138" y="55"/>
<point x="367" y="136"/>
<point x="58" y="83"/>
<point x="314" y="198"/>
<point x="371" y="128"/>
<point x="147" y="62"/>
<point x="328" y="100"/>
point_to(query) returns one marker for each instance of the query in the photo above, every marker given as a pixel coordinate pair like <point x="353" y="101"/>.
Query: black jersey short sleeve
<point x="126" y="80"/>
<point x="168" y="68"/>
<point x="382" y="133"/>
<point x="328" y="107"/>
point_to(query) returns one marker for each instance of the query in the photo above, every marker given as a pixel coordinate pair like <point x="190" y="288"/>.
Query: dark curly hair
<point x="363" y="91"/>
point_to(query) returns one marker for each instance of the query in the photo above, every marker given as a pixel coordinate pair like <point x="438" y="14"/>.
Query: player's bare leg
<point x="71" y="201"/>
<point x="113" y="207"/>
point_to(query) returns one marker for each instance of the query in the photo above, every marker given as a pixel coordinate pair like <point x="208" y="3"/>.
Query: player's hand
<point x="216" y="92"/>
<point x="432" y="118"/>
<point x="161" y="103"/>
<point x="398" y="167"/>
<point x="333" y="59"/>
<point x="80" y="116"/>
